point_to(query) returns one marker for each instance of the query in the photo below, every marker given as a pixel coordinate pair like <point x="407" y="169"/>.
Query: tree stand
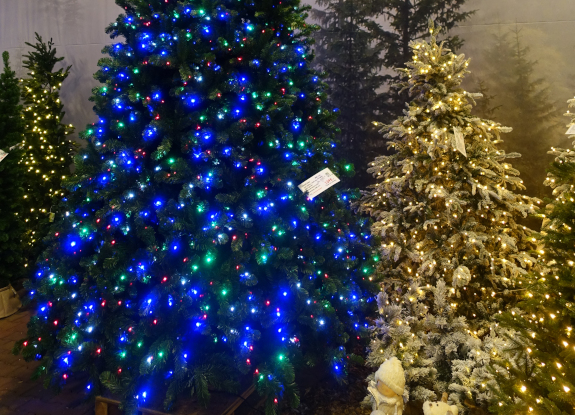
<point x="9" y="301"/>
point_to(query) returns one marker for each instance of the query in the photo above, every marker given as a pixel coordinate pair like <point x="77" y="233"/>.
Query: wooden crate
<point x="220" y="404"/>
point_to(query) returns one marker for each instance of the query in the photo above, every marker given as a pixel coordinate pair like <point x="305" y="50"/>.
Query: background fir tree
<point x="408" y="21"/>
<point x="524" y="104"/>
<point x="189" y="256"/>
<point x="11" y="176"/>
<point x="349" y="49"/>
<point x="452" y="248"/>
<point x="48" y="149"/>
<point x="485" y="107"/>
<point x="541" y="377"/>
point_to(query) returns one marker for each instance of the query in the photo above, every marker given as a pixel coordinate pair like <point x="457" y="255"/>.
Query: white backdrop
<point x="77" y="27"/>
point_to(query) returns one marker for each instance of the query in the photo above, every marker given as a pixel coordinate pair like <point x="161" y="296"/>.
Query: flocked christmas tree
<point x="48" y="148"/>
<point x="446" y="209"/>
<point x="188" y="255"/>
<point x="11" y="176"/>
<point x="540" y="379"/>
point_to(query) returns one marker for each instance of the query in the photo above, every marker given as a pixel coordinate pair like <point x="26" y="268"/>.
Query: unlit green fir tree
<point x="11" y="176"/>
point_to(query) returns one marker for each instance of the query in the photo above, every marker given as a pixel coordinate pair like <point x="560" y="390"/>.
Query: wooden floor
<point x="21" y="396"/>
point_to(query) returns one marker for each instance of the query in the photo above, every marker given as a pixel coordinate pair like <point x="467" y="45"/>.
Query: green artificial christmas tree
<point x="11" y="176"/>
<point x="540" y="379"/>
<point x="408" y="21"/>
<point x="349" y="49"/>
<point x="446" y="209"/>
<point x="48" y="148"/>
<point x="187" y="255"/>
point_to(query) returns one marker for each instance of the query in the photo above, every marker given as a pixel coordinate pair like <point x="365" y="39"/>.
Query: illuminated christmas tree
<point x="540" y="379"/>
<point x="188" y="255"/>
<point x="446" y="209"/>
<point x="11" y="176"/>
<point x="48" y="149"/>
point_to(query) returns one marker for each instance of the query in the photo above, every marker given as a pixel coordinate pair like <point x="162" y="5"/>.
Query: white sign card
<point x="459" y="141"/>
<point x="319" y="183"/>
<point x="3" y="155"/>
<point x="571" y="130"/>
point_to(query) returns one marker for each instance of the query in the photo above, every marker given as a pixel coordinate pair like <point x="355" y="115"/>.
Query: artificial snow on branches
<point x="452" y="248"/>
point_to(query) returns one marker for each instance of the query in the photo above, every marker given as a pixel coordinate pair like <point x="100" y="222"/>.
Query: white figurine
<point x="387" y="388"/>
<point x="439" y="408"/>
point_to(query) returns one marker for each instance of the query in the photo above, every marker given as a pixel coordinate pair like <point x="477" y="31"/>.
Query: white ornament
<point x="439" y="408"/>
<point x="387" y="388"/>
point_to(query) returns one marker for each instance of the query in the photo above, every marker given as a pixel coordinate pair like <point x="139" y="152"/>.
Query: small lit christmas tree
<point x="540" y="379"/>
<point x="452" y="249"/>
<point x="48" y="149"/>
<point x="188" y="255"/>
<point x="11" y="176"/>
